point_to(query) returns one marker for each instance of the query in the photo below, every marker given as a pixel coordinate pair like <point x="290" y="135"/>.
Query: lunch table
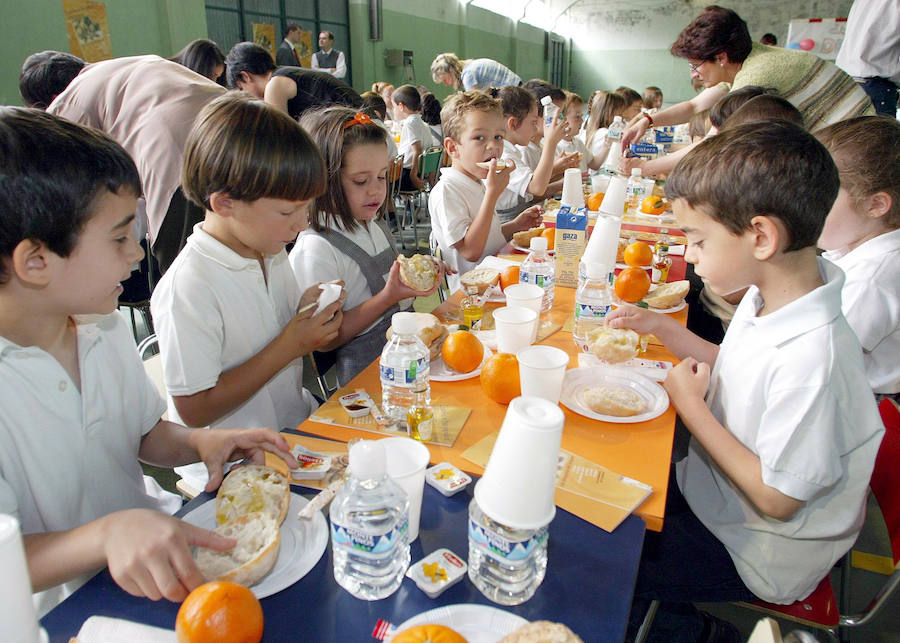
<point x="589" y="583"/>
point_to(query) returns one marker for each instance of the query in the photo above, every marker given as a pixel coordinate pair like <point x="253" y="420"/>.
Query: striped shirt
<point x="483" y="73"/>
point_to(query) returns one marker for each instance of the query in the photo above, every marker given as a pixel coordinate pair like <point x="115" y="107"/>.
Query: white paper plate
<point x="527" y="250"/>
<point x="475" y="623"/>
<point x="302" y="544"/>
<point x="440" y="372"/>
<point x="579" y="379"/>
<point x="623" y="266"/>
<point x="673" y="309"/>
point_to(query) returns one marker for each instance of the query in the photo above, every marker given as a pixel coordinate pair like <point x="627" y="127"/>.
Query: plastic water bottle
<point x="550" y="110"/>
<point x="539" y="269"/>
<point x="405" y="367"/>
<point x="614" y="133"/>
<point x="592" y="303"/>
<point x="635" y="191"/>
<point x="507" y="565"/>
<point x="369" y="527"/>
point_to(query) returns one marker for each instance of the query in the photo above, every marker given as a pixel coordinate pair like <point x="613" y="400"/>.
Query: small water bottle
<point x="405" y="367"/>
<point x="592" y="303"/>
<point x="635" y="191"/>
<point x="369" y="527"/>
<point x="614" y="133"/>
<point x="550" y="110"/>
<point x="539" y="269"/>
<point x="507" y="565"/>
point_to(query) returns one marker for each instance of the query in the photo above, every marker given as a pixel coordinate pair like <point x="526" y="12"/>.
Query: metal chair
<point x="395" y="171"/>
<point x="321" y="363"/>
<point x="443" y="290"/>
<point x="819" y="610"/>
<point x="428" y="166"/>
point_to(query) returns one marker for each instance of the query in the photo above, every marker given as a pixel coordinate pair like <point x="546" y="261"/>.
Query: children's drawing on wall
<point x="264" y="36"/>
<point x="88" y="30"/>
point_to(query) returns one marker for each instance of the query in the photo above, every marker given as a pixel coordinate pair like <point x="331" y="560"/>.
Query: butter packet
<point x="313" y="466"/>
<point x="569" y="244"/>
<point x="447" y="479"/>
<point x="437" y="571"/>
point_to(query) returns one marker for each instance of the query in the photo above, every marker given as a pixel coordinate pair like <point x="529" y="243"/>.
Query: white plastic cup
<point x="599" y="182"/>
<point x="514" y="328"/>
<point x="572" y="193"/>
<point x="526" y="296"/>
<point x="518" y="484"/>
<point x="16" y="607"/>
<point x="603" y="243"/>
<point x="614" y="200"/>
<point x="542" y="370"/>
<point x="406" y="460"/>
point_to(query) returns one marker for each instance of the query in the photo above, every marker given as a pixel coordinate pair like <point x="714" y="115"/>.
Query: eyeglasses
<point x="694" y="67"/>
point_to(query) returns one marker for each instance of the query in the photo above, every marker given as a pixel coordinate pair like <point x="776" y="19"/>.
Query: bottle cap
<point x="367" y="460"/>
<point x="538" y="243"/>
<point x="635" y="171"/>
<point x="546" y="100"/>
<point x="404" y="323"/>
<point x="595" y="270"/>
<point x="617" y="119"/>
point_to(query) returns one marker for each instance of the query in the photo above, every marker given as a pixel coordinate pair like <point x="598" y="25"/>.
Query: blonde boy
<point x="229" y="314"/>
<point x="77" y="411"/>
<point x="784" y="427"/>
<point x="463" y="203"/>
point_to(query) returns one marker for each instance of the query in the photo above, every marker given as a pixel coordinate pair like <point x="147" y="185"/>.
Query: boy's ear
<point x="221" y="204"/>
<point x="452" y="147"/>
<point x="512" y="123"/>
<point x="769" y="235"/>
<point x="30" y="262"/>
<point x="879" y="205"/>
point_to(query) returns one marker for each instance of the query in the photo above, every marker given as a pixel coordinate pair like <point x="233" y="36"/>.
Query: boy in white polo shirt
<point x="784" y="428"/>
<point x="77" y="410"/>
<point x="232" y="324"/>
<point x="463" y="203"/>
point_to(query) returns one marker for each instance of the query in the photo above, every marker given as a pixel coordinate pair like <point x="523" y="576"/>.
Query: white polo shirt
<point x="531" y="153"/>
<point x="453" y="204"/>
<point x="214" y="310"/>
<point x="68" y="457"/>
<point x="314" y="260"/>
<point x="519" y="179"/>
<point x="413" y="130"/>
<point x="790" y="386"/>
<point x="871" y="303"/>
<point x="576" y="145"/>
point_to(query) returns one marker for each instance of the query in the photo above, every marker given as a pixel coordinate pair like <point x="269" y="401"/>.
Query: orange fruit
<point x="462" y="351"/>
<point x="653" y="205"/>
<point x="632" y="284"/>
<point x="222" y="612"/>
<point x="428" y="634"/>
<point x="550" y="235"/>
<point x="638" y="254"/>
<point x="594" y="201"/>
<point x="500" y="377"/>
<point x="509" y="276"/>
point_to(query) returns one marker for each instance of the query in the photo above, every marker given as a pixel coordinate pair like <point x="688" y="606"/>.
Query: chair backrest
<point x="429" y="164"/>
<point x="395" y="170"/>
<point x="885" y="483"/>
<point x="153" y="365"/>
<point x="436" y="252"/>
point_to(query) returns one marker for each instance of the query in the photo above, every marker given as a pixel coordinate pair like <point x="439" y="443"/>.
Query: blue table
<point x="589" y="583"/>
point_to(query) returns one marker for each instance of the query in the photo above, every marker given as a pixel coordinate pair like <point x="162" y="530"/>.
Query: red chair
<point x="820" y="610"/>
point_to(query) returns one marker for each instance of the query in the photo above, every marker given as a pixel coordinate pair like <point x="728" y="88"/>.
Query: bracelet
<point x="648" y="117"/>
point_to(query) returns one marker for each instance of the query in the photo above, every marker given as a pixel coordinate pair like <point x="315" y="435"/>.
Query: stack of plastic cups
<point x="604" y="240"/>
<point x="514" y="503"/>
<point x="611" y="164"/>
<point x="572" y="193"/>
<point x="16" y="607"/>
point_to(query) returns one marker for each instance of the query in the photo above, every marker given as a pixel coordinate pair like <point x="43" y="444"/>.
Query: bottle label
<point x="591" y="311"/>
<point x="496" y="546"/>
<point x="544" y="281"/>
<point x="364" y="544"/>
<point x="405" y="376"/>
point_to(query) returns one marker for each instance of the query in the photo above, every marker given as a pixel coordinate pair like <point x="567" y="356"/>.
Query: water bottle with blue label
<point x="405" y="368"/>
<point x="369" y="527"/>
<point x="592" y="303"/>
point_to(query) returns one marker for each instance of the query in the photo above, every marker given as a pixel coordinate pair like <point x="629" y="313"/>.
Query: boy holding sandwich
<point x="77" y="411"/>
<point x="784" y="429"/>
<point x="463" y="203"/>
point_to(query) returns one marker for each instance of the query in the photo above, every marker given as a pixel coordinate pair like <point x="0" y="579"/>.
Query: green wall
<point x="635" y="68"/>
<point x="433" y="27"/>
<point x="135" y="27"/>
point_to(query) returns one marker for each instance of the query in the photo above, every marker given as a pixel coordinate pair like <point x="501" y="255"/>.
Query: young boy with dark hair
<point x="77" y="411"/>
<point x="784" y="426"/>
<point x="463" y="203"/>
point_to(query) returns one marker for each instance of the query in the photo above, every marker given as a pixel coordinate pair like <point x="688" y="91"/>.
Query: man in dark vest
<point x="286" y="53"/>
<point x="328" y="59"/>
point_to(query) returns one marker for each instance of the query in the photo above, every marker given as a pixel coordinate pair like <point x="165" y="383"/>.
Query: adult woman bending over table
<point x="721" y="54"/>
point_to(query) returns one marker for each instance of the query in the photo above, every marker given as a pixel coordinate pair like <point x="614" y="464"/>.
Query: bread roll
<point x="481" y="278"/>
<point x="613" y="345"/>
<point x="667" y="295"/>
<point x="542" y="632"/>
<point x="250" y="489"/>
<point x="419" y="272"/>
<point x="614" y="400"/>
<point x="254" y="555"/>
<point x="523" y="237"/>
